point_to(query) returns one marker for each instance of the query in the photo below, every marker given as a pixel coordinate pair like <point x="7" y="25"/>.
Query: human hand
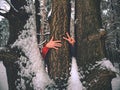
<point x="69" y="39"/>
<point x="54" y="44"/>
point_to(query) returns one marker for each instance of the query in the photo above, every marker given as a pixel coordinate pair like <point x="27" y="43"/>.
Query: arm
<point x="44" y="51"/>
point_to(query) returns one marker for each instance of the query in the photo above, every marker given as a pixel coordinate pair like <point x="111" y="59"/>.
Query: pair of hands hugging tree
<point x="57" y="43"/>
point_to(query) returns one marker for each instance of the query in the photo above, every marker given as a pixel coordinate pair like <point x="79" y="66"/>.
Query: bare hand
<point x="54" y="44"/>
<point x="69" y="39"/>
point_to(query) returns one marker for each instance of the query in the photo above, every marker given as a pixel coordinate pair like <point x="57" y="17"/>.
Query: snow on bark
<point x="106" y="64"/>
<point x="74" y="82"/>
<point x="72" y="19"/>
<point x="34" y="69"/>
<point x="44" y="24"/>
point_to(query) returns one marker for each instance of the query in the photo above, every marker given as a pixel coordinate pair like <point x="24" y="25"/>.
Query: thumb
<point x="52" y="38"/>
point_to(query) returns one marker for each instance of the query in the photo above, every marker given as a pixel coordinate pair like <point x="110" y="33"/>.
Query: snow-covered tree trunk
<point x="72" y="19"/>
<point x="43" y="29"/>
<point x="27" y="71"/>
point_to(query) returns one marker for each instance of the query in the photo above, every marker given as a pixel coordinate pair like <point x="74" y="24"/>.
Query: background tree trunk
<point x="22" y="27"/>
<point x="59" y="25"/>
<point x="17" y="21"/>
<point x="88" y="22"/>
<point x="89" y="43"/>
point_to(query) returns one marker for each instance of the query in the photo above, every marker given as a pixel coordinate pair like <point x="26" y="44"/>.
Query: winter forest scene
<point x="59" y="44"/>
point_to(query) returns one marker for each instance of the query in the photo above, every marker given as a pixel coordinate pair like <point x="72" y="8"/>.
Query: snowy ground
<point x="3" y="78"/>
<point x="116" y="83"/>
<point x="4" y="85"/>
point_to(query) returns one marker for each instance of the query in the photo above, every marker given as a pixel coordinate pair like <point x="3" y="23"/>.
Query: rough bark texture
<point x="89" y="43"/>
<point x="17" y="22"/>
<point x="59" y="25"/>
<point x="88" y="22"/>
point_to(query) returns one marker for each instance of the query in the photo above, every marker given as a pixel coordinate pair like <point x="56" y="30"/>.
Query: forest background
<point x="93" y="23"/>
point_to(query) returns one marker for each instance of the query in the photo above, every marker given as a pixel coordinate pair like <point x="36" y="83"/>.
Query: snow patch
<point x="106" y="64"/>
<point x="74" y="82"/>
<point x="32" y="66"/>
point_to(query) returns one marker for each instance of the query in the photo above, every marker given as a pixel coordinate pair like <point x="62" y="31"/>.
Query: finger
<point x="52" y="38"/>
<point x="73" y="39"/>
<point x="58" y="45"/>
<point x="57" y="41"/>
<point x="55" y="48"/>
<point x="65" y="38"/>
<point x="67" y="35"/>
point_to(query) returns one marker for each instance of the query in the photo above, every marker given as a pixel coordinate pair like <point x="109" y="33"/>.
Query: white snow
<point x="3" y="77"/>
<point x="4" y="6"/>
<point x="27" y="41"/>
<point x="106" y="64"/>
<point x="74" y="82"/>
<point x="116" y="83"/>
<point x="35" y="63"/>
<point x="105" y="12"/>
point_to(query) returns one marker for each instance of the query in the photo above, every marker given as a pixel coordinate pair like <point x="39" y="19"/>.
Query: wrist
<point x="46" y="45"/>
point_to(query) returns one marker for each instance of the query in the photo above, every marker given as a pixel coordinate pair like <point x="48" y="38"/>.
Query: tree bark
<point x="88" y="21"/>
<point x="59" y="25"/>
<point x="88" y="41"/>
<point x="20" y="22"/>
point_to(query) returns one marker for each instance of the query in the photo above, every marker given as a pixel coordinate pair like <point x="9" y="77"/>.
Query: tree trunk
<point x="89" y="43"/>
<point x="88" y="22"/>
<point x="24" y="69"/>
<point x="59" y="25"/>
<point x="17" y="21"/>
